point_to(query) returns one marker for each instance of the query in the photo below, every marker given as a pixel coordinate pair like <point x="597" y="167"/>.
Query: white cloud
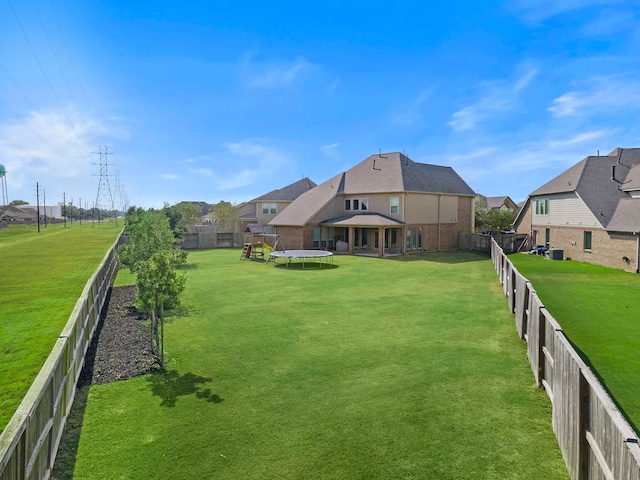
<point x="497" y="97"/>
<point x="274" y="74"/>
<point x="534" y="11"/>
<point x="597" y="94"/>
<point x="47" y="144"/>
<point x="242" y="164"/>
<point x="330" y="150"/>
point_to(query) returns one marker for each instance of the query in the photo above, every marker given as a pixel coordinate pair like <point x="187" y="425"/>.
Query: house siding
<point x="564" y="209"/>
<point x="430" y="208"/>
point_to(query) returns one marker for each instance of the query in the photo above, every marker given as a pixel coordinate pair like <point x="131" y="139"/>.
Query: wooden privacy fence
<point x="595" y="439"/>
<point x="29" y="443"/>
<point x="205" y="240"/>
<point x="509" y="242"/>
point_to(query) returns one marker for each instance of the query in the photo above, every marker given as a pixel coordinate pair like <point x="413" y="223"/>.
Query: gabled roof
<point x="368" y="219"/>
<point x="288" y="193"/>
<point x="395" y="172"/>
<point x="17" y="213"/>
<point x="601" y="182"/>
<point x="309" y="203"/>
<point x="497" y="202"/>
<point x="380" y="173"/>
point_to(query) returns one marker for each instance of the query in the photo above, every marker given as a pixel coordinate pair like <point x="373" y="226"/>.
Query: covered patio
<point x="361" y="234"/>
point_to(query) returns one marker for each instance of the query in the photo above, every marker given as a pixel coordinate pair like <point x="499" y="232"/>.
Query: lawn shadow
<point x="188" y="266"/>
<point x="169" y="385"/>
<point x="65" y="462"/>
<point x="603" y="383"/>
<point x="307" y="267"/>
<point x="452" y="257"/>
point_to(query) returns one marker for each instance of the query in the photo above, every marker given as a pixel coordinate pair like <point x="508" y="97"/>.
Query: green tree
<point x="17" y="203"/>
<point x="147" y="232"/>
<point x="481" y="210"/>
<point x="159" y="285"/>
<point x="497" y="220"/>
<point x="181" y="215"/>
<point x="150" y="254"/>
<point x="225" y="215"/>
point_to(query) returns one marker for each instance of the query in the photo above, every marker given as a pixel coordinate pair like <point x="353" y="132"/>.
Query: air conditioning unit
<point x="556" y="254"/>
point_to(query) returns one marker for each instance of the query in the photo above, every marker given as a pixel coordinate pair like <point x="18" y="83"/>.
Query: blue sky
<point x="213" y="101"/>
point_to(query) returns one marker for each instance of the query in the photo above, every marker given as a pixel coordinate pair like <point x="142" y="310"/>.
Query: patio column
<point x="352" y="240"/>
<point x="381" y="241"/>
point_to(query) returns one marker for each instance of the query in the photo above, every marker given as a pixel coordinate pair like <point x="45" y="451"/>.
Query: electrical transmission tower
<point x="119" y="195"/>
<point x="104" y="198"/>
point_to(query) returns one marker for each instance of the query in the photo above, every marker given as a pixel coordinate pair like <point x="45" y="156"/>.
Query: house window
<point x="587" y="241"/>
<point x="316" y="237"/>
<point x="268" y="208"/>
<point x="547" y="236"/>
<point x="542" y="207"/>
<point x="356" y="204"/>
<point x="394" y="204"/>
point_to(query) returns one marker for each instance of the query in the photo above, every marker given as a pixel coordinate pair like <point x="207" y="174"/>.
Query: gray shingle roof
<point x="288" y="193"/>
<point x="602" y="187"/>
<point x="380" y="173"/>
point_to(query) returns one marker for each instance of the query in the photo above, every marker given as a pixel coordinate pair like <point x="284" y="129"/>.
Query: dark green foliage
<point x="180" y="216"/>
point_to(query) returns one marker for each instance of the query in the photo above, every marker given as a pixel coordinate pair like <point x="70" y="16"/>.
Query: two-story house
<point x="261" y="210"/>
<point x="385" y="204"/>
<point x="590" y="211"/>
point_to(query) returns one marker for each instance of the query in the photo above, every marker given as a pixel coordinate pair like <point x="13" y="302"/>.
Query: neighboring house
<point x="263" y="209"/>
<point x="51" y="211"/>
<point x="386" y="204"/>
<point x="14" y="214"/>
<point x="591" y="211"/>
<point x="504" y="204"/>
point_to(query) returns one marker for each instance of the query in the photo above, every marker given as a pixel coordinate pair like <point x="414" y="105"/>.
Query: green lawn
<point x="597" y="308"/>
<point x="42" y="276"/>
<point x="376" y="368"/>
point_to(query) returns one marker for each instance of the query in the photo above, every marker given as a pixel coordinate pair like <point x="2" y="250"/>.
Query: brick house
<point x="591" y="211"/>
<point x="261" y="210"/>
<point x="386" y="204"/>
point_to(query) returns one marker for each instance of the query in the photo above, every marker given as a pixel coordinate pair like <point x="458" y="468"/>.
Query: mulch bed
<point x="121" y="346"/>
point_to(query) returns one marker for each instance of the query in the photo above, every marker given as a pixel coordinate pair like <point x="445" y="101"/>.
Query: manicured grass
<point x="42" y="276"/>
<point x="597" y="308"/>
<point x="376" y="368"/>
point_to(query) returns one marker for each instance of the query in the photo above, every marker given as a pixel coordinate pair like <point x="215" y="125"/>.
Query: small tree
<point x="226" y="215"/>
<point x="159" y="285"/>
<point x="147" y="232"/>
<point x="150" y="254"/>
<point x="17" y="203"/>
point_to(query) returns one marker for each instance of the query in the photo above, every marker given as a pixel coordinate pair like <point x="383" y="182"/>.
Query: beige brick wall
<point x="607" y="249"/>
<point x="291" y="238"/>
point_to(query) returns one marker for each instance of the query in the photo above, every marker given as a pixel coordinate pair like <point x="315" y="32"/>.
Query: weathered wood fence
<point x="207" y="239"/>
<point x="29" y="443"/>
<point x="509" y="242"/>
<point x="595" y="439"/>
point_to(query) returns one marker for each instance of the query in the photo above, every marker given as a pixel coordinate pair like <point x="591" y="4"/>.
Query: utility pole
<point x="64" y="208"/>
<point x="79" y="210"/>
<point x="38" y="204"/>
<point x="44" y="203"/>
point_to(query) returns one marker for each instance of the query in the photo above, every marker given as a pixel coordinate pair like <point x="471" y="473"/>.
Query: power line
<point x="66" y="45"/>
<point x="53" y="51"/>
<point x="24" y="152"/>
<point x="47" y="78"/>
